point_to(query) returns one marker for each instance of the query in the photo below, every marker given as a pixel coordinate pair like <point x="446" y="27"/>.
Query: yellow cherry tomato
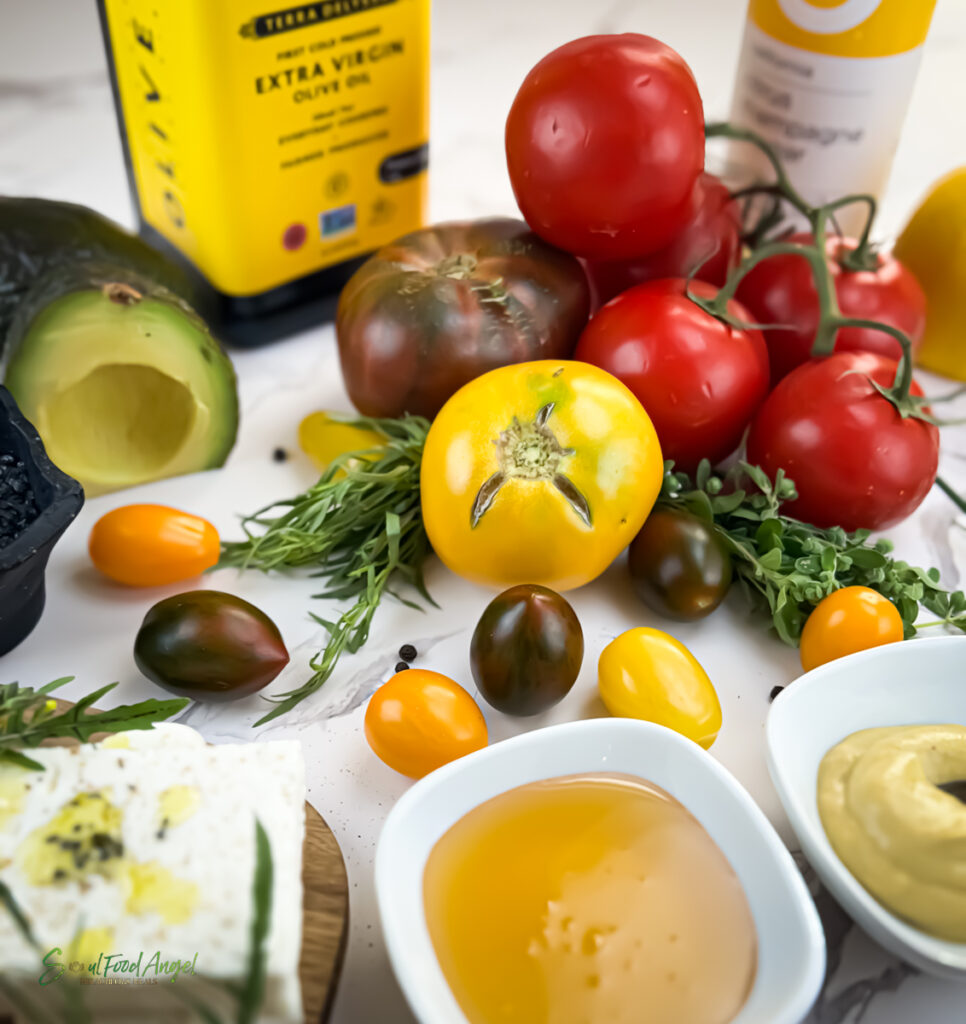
<point x="421" y="720"/>
<point x="648" y="674"/>
<point x="540" y="472"/>
<point x="324" y="439"/>
<point x="151" y="545"/>
<point x="848" y="620"/>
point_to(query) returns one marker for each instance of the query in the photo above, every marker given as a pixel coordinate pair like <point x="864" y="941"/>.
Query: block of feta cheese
<point x="135" y="859"/>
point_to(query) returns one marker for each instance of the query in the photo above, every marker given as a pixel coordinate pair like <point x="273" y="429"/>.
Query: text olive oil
<point x="272" y="147"/>
<point x="588" y="899"/>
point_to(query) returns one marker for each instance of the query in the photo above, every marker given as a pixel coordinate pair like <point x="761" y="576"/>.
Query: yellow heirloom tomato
<point x="648" y="674"/>
<point x="541" y="472"/>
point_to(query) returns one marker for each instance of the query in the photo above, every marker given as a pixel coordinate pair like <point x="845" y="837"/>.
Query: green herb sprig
<point x="788" y="566"/>
<point x="29" y="716"/>
<point x="360" y="527"/>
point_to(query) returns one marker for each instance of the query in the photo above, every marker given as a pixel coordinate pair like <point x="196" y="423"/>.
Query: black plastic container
<point x="23" y="561"/>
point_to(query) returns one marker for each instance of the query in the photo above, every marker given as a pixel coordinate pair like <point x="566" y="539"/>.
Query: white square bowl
<point x="918" y="682"/>
<point x="791" y="946"/>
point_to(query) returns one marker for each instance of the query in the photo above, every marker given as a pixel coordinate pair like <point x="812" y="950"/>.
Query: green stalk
<point x="360" y="527"/>
<point x="861" y="258"/>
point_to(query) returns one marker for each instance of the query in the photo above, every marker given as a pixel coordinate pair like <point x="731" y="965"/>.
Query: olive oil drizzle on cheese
<point x="175" y="806"/>
<point x="83" y="840"/>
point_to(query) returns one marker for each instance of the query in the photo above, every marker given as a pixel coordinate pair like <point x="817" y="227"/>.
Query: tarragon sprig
<point x="29" y="716"/>
<point x="788" y="566"/>
<point x="360" y="527"/>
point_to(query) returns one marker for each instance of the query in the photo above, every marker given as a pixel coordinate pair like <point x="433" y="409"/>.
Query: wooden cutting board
<point x="325" y="915"/>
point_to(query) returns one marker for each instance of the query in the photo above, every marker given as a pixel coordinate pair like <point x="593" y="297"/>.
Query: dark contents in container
<point x="18" y="506"/>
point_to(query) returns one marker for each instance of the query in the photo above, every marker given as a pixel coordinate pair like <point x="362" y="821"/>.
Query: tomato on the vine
<point x="604" y="143"/>
<point x="699" y="379"/>
<point x="707" y="247"/>
<point x="781" y="290"/>
<point x="856" y="462"/>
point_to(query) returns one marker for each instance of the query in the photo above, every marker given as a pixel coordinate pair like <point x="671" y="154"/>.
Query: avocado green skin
<point x="526" y="650"/>
<point x="40" y="235"/>
<point x="209" y="646"/>
<point x="61" y="282"/>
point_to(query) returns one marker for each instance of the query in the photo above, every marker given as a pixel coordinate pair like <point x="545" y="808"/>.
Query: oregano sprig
<point x="787" y="566"/>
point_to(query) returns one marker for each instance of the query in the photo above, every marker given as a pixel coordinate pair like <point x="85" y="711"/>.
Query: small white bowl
<point x="791" y="946"/>
<point x="918" y="682"/>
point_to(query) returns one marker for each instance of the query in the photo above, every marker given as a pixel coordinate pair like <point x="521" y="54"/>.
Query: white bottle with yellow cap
<point x="827" y="82"/>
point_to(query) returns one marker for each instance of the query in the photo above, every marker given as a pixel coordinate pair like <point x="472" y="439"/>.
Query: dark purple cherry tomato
<point x="679" y="566"/>
<point x="209" y="645"/>
<point x="526" y="650"/>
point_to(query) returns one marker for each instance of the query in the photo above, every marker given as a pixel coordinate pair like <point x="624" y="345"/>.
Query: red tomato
<point x="855" y="461"/>
<point x="699" y="379"/>
<point x="781" y="290"/>
<point x="604" y="143"/>
<point x="710" y="243"/>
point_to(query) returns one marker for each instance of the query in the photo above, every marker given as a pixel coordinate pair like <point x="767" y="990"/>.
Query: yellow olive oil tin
<point x="272" y="148"/>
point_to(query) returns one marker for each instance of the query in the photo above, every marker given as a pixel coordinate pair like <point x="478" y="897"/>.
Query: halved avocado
<point x="41" y="235"/>
<point x="121" y="378"/>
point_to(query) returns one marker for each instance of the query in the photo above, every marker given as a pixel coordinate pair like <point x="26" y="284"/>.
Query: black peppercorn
<point x="407" y="652"/>
<point x="401" y="666"/>
<point x="280" y="455"/>
<point x="775" y="691"/>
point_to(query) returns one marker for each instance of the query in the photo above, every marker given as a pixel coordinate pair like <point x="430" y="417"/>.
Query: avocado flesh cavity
<point x="125" y="389"/>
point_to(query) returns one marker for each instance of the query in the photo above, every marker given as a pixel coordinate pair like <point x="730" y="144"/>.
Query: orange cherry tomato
<point x="421" y="720"/>
<point x="150" y="545"/>
<point x="848" y="620"/>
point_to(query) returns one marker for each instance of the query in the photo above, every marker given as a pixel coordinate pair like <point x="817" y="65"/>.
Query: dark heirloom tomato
<point x="781" y="290"/>
<point x="526" y="650"/>
<point x="699" y="379"/>
<point x="707" y="247"/>
<point x="604" y="143"/>
<point x="441" y="306"/>
<point x="209" y="645"/>
<point x="856" y="462"/>
<point x="679" y="566"/>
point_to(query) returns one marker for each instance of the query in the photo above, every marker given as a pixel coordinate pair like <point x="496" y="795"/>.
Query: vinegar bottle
<point x="827" y="83"/>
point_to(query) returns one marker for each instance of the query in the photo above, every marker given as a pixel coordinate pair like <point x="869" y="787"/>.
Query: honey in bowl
<point x="588" y="899"/>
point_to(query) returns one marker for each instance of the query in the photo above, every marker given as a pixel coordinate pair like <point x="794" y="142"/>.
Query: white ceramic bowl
<point x="791" y="947"/>
<point x="919" y="682"/>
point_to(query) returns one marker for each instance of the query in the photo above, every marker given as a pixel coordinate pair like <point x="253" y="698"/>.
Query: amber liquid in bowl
<point x="588" y="899"/>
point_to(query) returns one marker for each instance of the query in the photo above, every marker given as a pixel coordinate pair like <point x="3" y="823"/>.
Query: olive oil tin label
<point x="267" y="143"/>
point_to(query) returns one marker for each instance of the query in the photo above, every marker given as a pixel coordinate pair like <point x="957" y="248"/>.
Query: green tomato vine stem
<point x="862" y="257"/>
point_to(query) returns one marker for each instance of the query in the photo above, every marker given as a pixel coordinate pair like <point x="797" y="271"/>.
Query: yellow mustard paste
<point x="902" y="836"/>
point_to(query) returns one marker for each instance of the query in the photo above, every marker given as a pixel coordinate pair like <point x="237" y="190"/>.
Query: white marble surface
<point x="58" y="139"/>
